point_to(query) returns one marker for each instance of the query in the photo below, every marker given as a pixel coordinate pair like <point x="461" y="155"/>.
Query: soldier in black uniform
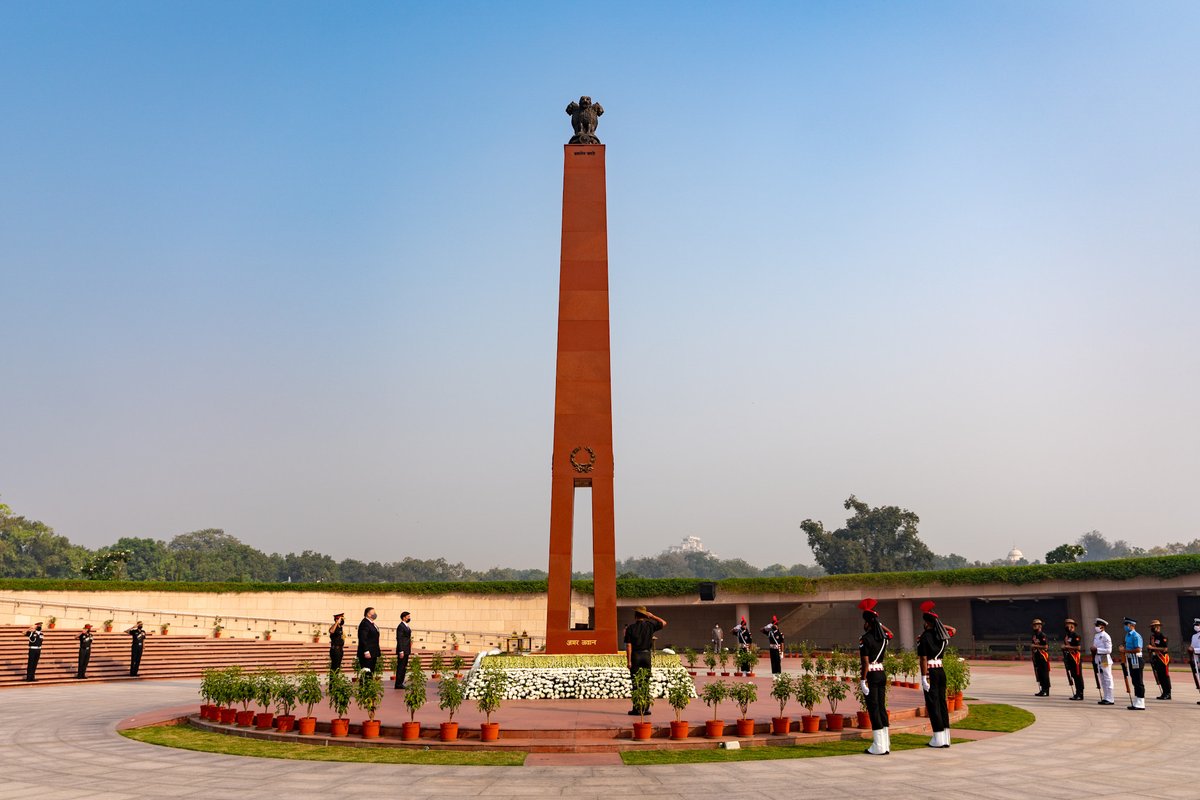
<point x="1073" y="659"/>
<point x="639" y="642"/>
<point x="931" y="646"/>
<point x="744" y="637"/>
<point x="1160" y="660"/>
<point x="35" y="636"/>
<point x="135" y="654"/>
<point x="337" y="641"/>
<point x="775" y="644"/>
<point x="85" y="651"/>
<point x="872" y="646"/>
<point x="1041" y="659"/>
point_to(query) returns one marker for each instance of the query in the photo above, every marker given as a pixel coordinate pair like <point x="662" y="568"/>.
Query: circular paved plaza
<point x="60" y="742"/>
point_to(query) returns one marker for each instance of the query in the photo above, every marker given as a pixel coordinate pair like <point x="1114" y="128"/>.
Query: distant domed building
<point x="1015" y="556"/>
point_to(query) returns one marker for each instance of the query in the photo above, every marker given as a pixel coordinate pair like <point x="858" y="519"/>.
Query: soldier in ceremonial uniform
<point x="1041" y="659"/>
<point x="775" y="644"/>
<point x="639" y="642"/>
<point x="1194" y="653"/>
<point x="931" y="646"/>
<point x="35" y="636"/>
<point x="138" y="636"/>
<point x="742" y="633"/>
<point x="872" y="646"/>
<point x="337" y="641"/>
<point x="85" y="652"/>
<point x="1073" y="659"/>
<point x="1131" y="651"/>
<point x="1102" y="661"/>
<point x="1160" y="660"/>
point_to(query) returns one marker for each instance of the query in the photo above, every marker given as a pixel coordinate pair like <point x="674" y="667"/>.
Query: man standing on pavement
<point x="85" y="652"/>
<point x="368" y="640"/>
<point x="337" y="642"/>
<point x="35" y="636"/>
<point x="775" y="644"/>
<point x="1131" y="651"/>
<point x="639" y="642"/>
<point x="1102" y="658"/>
<point x="1160" y="660"/>
<point x="403" y="648"/>
<point x="1073" y="660"/>
<point x="1194" y="652"/>
<point x="1041" y="659"/>
<point x="718" y="638"/>
<point x="138" y="635"/>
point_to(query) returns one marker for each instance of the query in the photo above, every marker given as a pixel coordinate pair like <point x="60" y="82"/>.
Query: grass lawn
<point x="188" y="738"/>
<point x="900" y="741"/>
<point x="995" y="717"/>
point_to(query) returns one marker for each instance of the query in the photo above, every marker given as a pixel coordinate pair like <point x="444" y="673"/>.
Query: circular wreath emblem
<point x="586" y="466"/>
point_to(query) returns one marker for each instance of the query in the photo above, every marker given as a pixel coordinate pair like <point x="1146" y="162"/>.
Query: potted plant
<point x="414" y="698"/>
<point x="436" y="665"/>
<point x="744" y="694"/>
<point x="745" y="661"/>
<point x="308" y="693"/>
<point x="782" y="690"/>
<point x="368" y="695"/>
<point x="712" y="695"/>
<point x="723" y="657"/>
<point x="164" y="628"/>
<point x="910" y="665"/>
<point x="642" y="700"/>
<point x="453" y="641"/>
<point x="689" y="655"/>
<point x="808" y="694"/>
<point x="264" y="695"/>
<point x="339" y="689"/>
<point x="493" y="683"/>
<point x="958" y="677"/>
<point x="835" y="692"/>
<point x="891" y="667"/>
<point x="266" y="634"/>
<point x="862" y="718"/>
<point x="820" y="667"/>
<point x="393" y="664"/>
<point x="316" y="634"/>
<point x="246" y="688"/>
<point x="458" y="662"/>
<point x="806" y="663"/>
<point x="51" y="622"/>
<point x="450" y="697"/>
<point x="679" y="694"/>
<point x="217" y="627"/>
<point x="286" y="690"/>
<point x="710" y="660"/>
<point x="206" y="686"/>
<point x="228" y="688"/>
<point x="108" y="625"/>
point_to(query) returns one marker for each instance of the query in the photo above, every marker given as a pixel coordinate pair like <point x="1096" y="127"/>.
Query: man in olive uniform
<point x="1041" y="659"/>
<point x="1160" y="660"/>
<point x="403" y="648"/>
<point x="1073" y="659"/>
<point x="872" y="646"/>
<point x="1131" y="651"/>
<point x="85" y="652"/>
<point x="35" y="636"/>
<point x="337" y="641"/>
<point x="639" y="642"/>
<point x="138" y="634"/>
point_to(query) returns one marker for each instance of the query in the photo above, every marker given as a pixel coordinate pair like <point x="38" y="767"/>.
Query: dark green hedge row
<point x="1117" y="569"/>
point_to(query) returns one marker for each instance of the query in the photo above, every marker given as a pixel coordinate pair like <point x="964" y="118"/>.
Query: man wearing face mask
<point x="1160" y="659"/>
<point x="1131" y="651"/>
<point x="403" y="648"/>
<point x="368" y="640"/>
<point x="1102" y="659"/>
<point x="1194" y="654"/>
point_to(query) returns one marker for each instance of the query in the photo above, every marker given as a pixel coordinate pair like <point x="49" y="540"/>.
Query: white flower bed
<point x="579" y="683"/>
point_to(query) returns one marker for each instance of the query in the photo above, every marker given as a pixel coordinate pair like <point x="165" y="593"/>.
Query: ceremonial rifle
<point x="1096" y="673"/>
<point x="1128" y="688"/>
<point x="1192" y="663"/>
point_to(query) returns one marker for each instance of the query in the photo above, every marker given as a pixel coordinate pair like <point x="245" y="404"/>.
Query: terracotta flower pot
<point x="489" y="731"/>
<point x="370" y="729"/>
<point x="245" y="718"/>
<point x="449" y="732"/>
<point x="204" y="712"/>
<point x="834" y="722"/>
<point x="714" y="728"/>
<point x="781" y="725"/>
<point x="263" y="720"/>
<point x="306" y="726"/>
<point x="750" y="674"/>
<point x="228" y="715"/>
<point x="724" y="674"/>
<point x="284" y="723"/>
<point x="410" y="731"/>
<point x="810" y="723"/>
<point x="679" y="729"/>
<point x="643" y="730"/>
<point x="339" y="727"/>
<point x="737" y="674"/>
<point x="711" y="674"/>
<point x="745" y="727"/>
<point x="863" y="719"/>
<point x="216" y="634"/>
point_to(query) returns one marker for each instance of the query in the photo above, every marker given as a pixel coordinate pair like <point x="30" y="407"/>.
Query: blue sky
<point x="290" y="269"/>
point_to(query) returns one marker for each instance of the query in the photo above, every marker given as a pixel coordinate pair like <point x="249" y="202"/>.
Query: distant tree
<point x="1176" y="549"/>
<point x="1065" y="554"/>
<point x="1097" y="548"/>
<point x="31" y="549"/>
<point x="107" y="565"/>
<point x="149" y="559"/>
<point x="310" y="567"/>
<point x="213" y="555"/>
<point x="952" y="561"/>
<point x="882" y="539"/>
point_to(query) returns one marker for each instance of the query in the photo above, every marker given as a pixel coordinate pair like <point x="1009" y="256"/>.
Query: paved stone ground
<point x="60" y="743"/>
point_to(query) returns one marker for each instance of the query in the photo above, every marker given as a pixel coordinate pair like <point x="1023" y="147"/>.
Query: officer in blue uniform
<point x="1132" y="652"/>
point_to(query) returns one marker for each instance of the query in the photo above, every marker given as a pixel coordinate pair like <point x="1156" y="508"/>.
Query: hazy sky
<point x="291" y="270"/>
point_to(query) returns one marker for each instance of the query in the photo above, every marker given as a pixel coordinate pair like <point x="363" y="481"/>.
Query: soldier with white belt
<point x="1194" y="652"/>
<point x="1102" y="658"/>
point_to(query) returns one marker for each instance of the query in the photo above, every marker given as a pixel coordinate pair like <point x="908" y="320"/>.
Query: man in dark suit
<point x="403" y="648"/>
<point x="368" y="640"/>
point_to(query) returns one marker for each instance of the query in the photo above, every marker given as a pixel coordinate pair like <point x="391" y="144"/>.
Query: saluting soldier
<point x="872" y="646"/>
<point x="138" y="634"/>
<point x="1131" y="651"/>
<point x="1102" y="660"/>
<point x="744" y="637"/>
<point x="85" y="651"/>
<point x="1160" y="660"/>
<point x="639" y="643"/>
<point x="337" y="641"/>
<point x="1073" y="659"/>
<point x="931" y="646"/>
<point x="1041" y="659"/>
<point x="35" y="636"/>
<point x="1194" y="653"/>
<point x="775" y="644"/>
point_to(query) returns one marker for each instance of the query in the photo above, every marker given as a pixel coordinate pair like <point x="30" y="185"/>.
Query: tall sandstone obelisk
<point x="583" y="455"/>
